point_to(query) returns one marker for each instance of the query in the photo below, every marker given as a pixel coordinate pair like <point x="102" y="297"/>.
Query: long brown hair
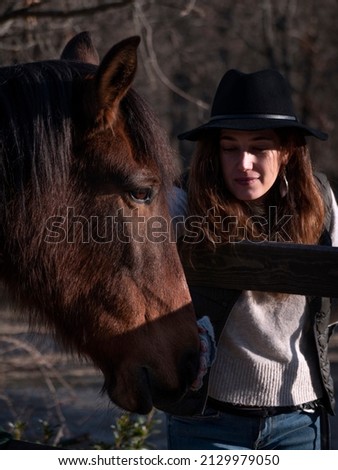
<point x="216" y="216"/>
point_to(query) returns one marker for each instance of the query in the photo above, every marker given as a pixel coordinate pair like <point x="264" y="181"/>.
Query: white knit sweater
<point x="266" y="355"/>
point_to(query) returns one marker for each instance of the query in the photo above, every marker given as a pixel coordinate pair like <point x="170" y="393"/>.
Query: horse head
<point x="87" y="244"/>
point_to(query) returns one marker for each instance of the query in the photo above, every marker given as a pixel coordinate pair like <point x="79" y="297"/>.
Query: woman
<point x="269" y="386"/>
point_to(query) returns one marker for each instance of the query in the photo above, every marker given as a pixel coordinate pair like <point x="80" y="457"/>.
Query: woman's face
<point x="250" y="162"/>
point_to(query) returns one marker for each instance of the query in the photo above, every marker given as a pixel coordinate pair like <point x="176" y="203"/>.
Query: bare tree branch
<point x="32" y="12"/>
<point x="155" y="65"/>
<point x="48" y="372"/>
<point x="268" y="32"/>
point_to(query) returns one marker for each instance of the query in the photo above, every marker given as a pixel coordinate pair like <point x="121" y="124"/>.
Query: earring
<point x="284" y="184"/>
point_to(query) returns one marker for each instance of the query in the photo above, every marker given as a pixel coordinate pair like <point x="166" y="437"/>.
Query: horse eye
<point x="141" y="195"/>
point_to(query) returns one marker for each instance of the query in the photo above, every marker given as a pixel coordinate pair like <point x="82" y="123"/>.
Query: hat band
<point x="254" y="116"/>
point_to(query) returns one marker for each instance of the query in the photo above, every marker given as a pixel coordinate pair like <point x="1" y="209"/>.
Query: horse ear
<point x="81" y="49"/>
<point x="114" y="77"/>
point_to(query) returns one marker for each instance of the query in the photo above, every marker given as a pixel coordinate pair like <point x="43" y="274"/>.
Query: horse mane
<point x="36" y="128"/>
<point x="35" y="101"/>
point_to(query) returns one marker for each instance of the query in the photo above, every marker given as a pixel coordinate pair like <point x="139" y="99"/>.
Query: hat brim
<point x="250" y="125"/>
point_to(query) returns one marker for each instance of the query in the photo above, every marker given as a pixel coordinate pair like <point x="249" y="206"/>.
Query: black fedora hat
<point x="253" y="101"/>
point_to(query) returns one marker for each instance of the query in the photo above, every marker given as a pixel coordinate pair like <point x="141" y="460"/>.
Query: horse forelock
<point x="151" y="143"/>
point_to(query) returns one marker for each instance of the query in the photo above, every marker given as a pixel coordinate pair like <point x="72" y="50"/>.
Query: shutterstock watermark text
<point x="135" y="228"/>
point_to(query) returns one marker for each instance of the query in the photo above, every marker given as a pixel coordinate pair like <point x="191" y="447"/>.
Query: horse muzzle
<point x="142" y="388"/>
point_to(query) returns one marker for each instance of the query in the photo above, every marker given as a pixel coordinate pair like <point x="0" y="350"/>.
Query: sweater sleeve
<point x="334" y="220"/>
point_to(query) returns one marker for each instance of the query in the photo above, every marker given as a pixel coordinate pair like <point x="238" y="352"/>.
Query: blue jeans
<point x="297" y="430"/>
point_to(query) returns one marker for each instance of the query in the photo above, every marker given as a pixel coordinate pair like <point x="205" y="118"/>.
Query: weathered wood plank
<point x="270" y="267"/>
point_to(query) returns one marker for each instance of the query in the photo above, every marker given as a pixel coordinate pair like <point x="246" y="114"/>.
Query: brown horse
<point x="85" y="228"/>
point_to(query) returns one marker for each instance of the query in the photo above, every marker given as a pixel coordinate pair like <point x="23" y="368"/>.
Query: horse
<point x="86" y="178"/>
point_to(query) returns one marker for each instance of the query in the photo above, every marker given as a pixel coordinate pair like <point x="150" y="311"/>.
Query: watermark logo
<point x="135" y="228"/>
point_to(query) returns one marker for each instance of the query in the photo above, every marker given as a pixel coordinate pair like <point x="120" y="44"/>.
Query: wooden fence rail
<point x="269" y="267"/>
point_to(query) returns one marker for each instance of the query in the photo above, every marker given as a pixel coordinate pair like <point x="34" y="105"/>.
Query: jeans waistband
<point x="260" y="411"/>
